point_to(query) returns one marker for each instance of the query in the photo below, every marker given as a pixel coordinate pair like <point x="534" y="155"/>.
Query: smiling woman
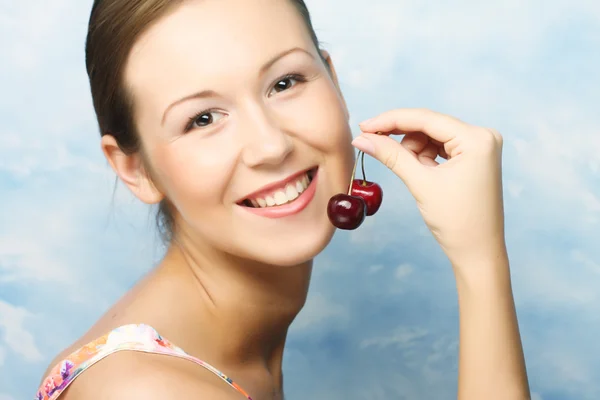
<point x="229" y="116"/>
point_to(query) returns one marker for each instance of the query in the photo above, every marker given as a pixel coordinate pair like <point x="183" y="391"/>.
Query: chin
<point x="293" y="250"/>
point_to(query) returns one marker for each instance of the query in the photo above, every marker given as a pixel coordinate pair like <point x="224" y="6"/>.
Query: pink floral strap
<point x="135" y="337"/>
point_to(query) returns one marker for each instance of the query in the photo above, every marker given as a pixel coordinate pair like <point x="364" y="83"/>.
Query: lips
<point x="280" y="193"/>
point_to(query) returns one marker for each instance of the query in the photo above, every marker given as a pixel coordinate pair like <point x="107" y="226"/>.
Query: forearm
<point x="491" y="362"/>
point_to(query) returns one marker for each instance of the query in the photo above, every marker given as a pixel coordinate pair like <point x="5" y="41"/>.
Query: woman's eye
<point x="204" y="119"/>
<point x="285" y="84"/>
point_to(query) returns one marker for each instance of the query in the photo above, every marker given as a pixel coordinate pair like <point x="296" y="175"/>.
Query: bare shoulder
<point x="131" y="375"/>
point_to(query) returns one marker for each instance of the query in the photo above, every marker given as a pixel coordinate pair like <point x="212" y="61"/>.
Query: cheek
<point x="328" y="131"/>
<point x="319" y="115"/>
<point x="194" y="179"/>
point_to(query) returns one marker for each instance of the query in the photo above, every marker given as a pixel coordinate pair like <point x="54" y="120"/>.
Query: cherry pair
<point x="348" y="211"/>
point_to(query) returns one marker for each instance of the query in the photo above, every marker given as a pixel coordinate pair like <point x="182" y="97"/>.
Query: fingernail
<point x="364" y="145"/>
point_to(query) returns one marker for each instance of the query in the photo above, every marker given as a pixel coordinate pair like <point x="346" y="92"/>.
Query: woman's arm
<point x="461" y="202"/>
<point x="491" y="363"/>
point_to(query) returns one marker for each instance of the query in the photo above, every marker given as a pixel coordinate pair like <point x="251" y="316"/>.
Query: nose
<point x="266" y="142"/>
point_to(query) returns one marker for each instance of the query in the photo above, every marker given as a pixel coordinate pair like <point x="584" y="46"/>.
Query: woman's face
<point x="244" y="129"/>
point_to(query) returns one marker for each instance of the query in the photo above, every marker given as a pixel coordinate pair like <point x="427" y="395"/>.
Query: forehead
<point x="207" y="39"/>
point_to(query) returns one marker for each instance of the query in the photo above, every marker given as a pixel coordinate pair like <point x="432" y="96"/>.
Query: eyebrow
<point x="212" y="93"/>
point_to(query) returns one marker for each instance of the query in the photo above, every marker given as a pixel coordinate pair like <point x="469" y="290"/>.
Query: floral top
<point x="139" y="337"/>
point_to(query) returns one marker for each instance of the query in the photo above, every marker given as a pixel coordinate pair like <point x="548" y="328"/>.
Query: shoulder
<point x="127" y="375"/>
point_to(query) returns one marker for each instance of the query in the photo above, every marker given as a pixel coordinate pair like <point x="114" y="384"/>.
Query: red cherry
<point x="370" y="192"/>
<point x="346" y="211"/>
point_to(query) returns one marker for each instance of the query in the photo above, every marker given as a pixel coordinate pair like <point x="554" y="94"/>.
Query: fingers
<point x="415" y="142"/>
<point x="442" y="152"/>
<point x="428" y="155"/>
<point x="425" y="149"/>
<point x="397" y="157"/>
<point x="427" y="135"/>
<point x="440" y="127"/>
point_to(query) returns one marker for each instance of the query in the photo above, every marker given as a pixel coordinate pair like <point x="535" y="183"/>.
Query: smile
<point x="284" y="198"/>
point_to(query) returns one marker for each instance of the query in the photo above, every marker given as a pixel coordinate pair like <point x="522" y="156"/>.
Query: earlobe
<point x="327" y="57"/>
<point x="130" y="169"/>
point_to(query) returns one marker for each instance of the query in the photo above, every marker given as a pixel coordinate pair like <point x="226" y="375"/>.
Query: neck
<point x="237" y="310"/>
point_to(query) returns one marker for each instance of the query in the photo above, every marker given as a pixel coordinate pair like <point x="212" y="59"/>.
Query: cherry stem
<point x="354" y="172"/>
<point x="362" y="166"/>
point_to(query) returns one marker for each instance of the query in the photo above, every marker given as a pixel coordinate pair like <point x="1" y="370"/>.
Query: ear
<point x="130" y="169"/>
<point x="327" y="57"/>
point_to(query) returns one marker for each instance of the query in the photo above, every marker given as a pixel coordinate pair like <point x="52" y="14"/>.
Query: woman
<point x="210" y="108"/>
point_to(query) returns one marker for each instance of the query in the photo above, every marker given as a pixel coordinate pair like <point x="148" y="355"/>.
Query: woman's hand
<point x="461" y="199"/>
<point x="461" y="202"/>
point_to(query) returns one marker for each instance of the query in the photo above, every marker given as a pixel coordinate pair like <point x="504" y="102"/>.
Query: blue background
<point x="381" y="320"/>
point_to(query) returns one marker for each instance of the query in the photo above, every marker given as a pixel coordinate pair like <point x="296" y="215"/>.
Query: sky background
<point x="381" y="319"/>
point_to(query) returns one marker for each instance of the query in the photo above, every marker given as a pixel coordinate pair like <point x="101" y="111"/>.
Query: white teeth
<point x="305" y="181"/>
<point x="291" y="192"/>
<point x="280" y="198"/>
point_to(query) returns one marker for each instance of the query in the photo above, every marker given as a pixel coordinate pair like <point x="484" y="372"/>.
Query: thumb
<point x="391" y="154"/>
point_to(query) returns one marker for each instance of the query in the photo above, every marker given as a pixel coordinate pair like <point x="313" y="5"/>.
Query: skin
<point x="229" y="298"/>
<point x="468" y="223"/>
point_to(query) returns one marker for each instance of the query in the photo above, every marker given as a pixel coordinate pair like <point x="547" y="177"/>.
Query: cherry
<point x="346" y="211"/>
<point x="370" y="192"/>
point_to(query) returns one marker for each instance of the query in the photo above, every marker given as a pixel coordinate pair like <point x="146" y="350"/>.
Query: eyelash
<point x="295" y="76"/>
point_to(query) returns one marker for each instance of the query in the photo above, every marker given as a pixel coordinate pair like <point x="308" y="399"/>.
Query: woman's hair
<point x="113" y="29"/>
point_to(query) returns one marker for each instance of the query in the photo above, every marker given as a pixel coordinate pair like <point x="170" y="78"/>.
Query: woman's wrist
<point x="482" y="269"/>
